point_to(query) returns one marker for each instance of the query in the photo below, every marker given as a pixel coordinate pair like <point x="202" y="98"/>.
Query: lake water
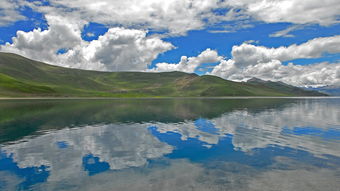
<point x="170" y="144"/>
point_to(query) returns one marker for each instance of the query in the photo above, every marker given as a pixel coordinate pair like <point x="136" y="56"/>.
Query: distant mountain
<point x="22" y="77"/>
<point x="330" y="90"/>
<point x="284" y="88"/>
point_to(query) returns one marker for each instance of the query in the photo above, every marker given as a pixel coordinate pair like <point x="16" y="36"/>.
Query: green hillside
<point x="22" y="77"/>
<point x="283" y="87"/>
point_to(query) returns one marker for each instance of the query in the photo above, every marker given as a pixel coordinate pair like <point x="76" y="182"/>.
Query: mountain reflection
<point x="58" y="141"/>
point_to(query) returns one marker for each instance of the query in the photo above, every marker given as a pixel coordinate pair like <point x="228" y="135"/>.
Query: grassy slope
<point x="282" y="87"/>
<point x="20" y="76"/>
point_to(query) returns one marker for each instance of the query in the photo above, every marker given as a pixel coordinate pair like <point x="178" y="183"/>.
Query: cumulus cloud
<point x="124" y="49"/>
<point x="323" y="13"/>
<point x="176" y="17"/>
<point x="118" y="49"/>
<point x="173" y="16"/>
<point x="312" y="75"/>
<point x="189" y="64"/>
<point x="225" y="69"/>
<point x="248" y="54"/>
<point x="258" y="61"/>
<point x="180" y="16"/>
<point x="43" y="45"/>
<point x="249" y="61"/>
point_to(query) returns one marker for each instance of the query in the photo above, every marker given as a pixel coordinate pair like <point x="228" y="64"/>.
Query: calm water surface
<point x="170" y="144"/>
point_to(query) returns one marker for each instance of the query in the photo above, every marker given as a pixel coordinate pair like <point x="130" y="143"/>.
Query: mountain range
<point x="333" y="90"/>
<point x="23" y="77"/>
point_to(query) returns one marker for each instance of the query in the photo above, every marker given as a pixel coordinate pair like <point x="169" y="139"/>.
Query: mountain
<point x="333" y="90"/>
<point x="283" y="87"/>
<point x="22" y="77"/>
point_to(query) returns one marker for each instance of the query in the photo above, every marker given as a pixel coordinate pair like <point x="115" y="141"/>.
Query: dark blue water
<point x="170" y="144"/>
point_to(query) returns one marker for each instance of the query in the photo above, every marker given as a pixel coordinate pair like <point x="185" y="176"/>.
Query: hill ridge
<point x="23" y="77"/>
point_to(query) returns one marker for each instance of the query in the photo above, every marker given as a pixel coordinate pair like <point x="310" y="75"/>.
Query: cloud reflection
<point x="299" y="129"/>
<point x="81" y="151"/>
<point x="260" y="129"/>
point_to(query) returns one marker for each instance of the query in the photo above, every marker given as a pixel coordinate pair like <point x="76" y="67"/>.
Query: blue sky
<point x="198" y="40"/>
<point x="110" y="35"/>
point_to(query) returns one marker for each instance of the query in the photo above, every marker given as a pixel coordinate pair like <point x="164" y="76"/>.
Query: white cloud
<point x="291" y="11"/>
<point x="221" y="31"/>
<point x="179" y="16"/>
<point x="249" y="61"/>
<point x="312" y="75"/>
<point x="125" y="49"/>
<point x="225" y="68"/>
<point x="174" y="16"/>
<point x="251" y="42"/>
<point x="266" y="63"/>
<point x="286" y="32"/>
<point x="43" y="45"/>
<point x="118" y="49"/>
<point x="189" y="64"/>
<point x="248" y="54"/>
<point x="89" y="34"/>
<point x="9" y="12"/>
<point x="122" y="48"/>
<point x="309" y="75"/>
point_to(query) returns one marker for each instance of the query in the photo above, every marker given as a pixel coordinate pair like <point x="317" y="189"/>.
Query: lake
<point x="170" y="144"/>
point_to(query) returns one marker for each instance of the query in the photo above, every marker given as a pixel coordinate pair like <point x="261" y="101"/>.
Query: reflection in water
<point x="248" y="144"/>
<point x="93" y="149"/>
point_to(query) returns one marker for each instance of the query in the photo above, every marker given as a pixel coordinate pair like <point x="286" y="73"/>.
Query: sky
<point x="294" y="41"/>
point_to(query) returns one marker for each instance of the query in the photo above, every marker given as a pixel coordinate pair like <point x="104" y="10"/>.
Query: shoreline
<point x="141" y="98"/>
